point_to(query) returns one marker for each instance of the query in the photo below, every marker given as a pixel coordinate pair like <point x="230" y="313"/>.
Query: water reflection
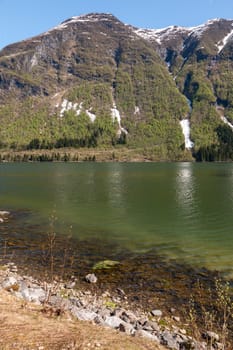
<point x="116" y="187"/>
<point x="185" y="209"/>
<point x="185" y="188"/>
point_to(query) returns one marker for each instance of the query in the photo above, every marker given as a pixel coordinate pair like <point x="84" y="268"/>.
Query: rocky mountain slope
<point x="93" y="81"/>
<point x="200" y="61"/>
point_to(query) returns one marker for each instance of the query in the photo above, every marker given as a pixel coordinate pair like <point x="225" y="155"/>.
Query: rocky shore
<point x="107" y="309"/>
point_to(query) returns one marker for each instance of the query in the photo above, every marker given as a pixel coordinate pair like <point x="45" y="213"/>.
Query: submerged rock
<point x="105" y="264"/>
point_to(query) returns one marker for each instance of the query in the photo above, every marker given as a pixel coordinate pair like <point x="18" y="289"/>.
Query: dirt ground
<point x="26" y="326"/>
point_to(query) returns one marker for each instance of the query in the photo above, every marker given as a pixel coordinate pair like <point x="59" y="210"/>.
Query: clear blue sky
<point x="21" y="19"/>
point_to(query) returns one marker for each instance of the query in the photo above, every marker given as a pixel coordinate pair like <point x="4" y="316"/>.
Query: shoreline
<point x="98" y="155"/>
<point x="186" y="303"/>
<point x="138" y="283"/>
<point x="106" y="309"/>
<point x="117" y="154"/>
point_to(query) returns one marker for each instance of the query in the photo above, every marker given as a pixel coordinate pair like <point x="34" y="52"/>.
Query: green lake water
<point x="182" y="209"/>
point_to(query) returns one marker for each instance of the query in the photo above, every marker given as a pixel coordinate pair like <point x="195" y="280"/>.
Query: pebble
<point x="156" y="313"/>
<point x="176" y="318"/>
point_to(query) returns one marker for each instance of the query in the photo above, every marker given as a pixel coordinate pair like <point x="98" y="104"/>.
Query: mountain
<point x="94" y="81"/>
<point x="200" y="61"/>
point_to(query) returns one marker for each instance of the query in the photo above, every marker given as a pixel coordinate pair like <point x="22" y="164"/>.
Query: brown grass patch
<point x="24" y="326"/>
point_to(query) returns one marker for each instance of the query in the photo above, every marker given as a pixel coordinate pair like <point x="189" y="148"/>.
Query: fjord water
<point x="183" y="210"/>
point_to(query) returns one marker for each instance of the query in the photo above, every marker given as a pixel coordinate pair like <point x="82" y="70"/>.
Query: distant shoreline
<point x="121" y="154"/>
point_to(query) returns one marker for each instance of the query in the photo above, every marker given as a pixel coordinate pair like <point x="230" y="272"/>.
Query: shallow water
<point x="184" y="210"/>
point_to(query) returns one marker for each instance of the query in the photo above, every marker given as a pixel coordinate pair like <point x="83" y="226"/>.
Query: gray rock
<point x="156" y="313"/>
<point x="59" y="302"/>
<point x="10" y="283"/>
<point x="151" y="326"/>
<point x="83" y="314"/>
<point x="129" y="317"/>
<point x="91" y="278"/>
<point x="145" y="334"/>
<point x="113" y="321"/>
<point x="127" y="328"/>
<point x="104" y="312"/>
<point x="173" y="341"/>
<point x="75" y="301"/>
<point x="35" y="294"/>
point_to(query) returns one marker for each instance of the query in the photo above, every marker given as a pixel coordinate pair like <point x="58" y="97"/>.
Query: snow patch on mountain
<point x="225" y="121"/>
<point x="222" y="43"/>
<point x="160" y="35"/>
<point x="185" y="125"/>
<point x="117" y="116"/>
<point x="67" y="106"/>
<point x="92" y="17"/>
<point x="91" y="115"/>
<point x="34" y="61"/>
<point x="136" y="110"/>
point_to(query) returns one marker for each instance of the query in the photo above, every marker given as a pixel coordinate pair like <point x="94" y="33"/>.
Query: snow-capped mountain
<point x="96" y="80"/>
<point x="215" y="34"/>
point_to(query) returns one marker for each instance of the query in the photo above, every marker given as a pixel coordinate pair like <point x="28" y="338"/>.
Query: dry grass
<point x="23" y="326"/>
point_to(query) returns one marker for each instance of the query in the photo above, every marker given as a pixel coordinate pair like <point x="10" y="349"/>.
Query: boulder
<point x="113" y="321"/>
<point x="34" y="294"/>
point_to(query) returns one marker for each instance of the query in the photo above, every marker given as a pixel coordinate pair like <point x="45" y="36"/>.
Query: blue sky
<point x="21" y="19"/>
